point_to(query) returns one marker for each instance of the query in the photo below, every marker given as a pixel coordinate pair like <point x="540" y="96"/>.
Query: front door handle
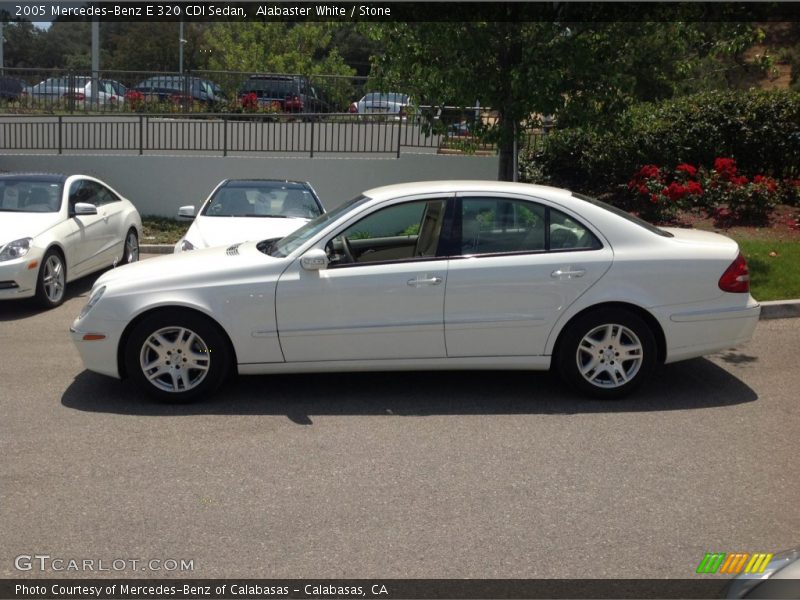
<point x="568" y="273"/>
<point x="419" y="282"/>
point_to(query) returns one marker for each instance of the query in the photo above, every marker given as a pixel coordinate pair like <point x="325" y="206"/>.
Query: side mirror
<point x="314" y="260"/>
<point x="84" y="208"/>
<point x="186" y="212"/>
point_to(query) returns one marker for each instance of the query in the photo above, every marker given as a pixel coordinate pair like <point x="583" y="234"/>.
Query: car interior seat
<point x="236" y="203"/>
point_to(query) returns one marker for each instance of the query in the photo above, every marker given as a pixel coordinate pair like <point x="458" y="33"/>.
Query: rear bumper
<point x="693" y="333"/>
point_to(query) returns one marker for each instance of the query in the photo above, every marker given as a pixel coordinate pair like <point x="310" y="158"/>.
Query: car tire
<point x="51" y="283"/>
<point x="177" y="356"/>
<point x="130" y="249"/>
<point x="607" y="353"/>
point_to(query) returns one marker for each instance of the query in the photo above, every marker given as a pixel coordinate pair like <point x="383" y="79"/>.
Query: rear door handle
<point x="568" y="273"/>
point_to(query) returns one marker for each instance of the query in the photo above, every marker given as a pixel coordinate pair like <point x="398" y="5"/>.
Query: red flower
<point x="643" y="190"/>
<point x="694" y="189"/>
<point x="675" y="191"/>
<point x="742" y="180"/>
<point x="653" y="198"/>
<point x="687" y="168"/>
<point x="726" y="167"/>
<point x="650" y="172"/>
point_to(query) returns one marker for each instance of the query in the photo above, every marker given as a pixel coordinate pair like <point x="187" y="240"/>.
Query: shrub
<point x="760" y="129"/>
<point x="721" y="191"/>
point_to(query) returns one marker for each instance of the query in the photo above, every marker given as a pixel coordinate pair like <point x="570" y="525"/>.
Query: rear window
<point x="270" y="87"/>
<point x="625" y="215"/>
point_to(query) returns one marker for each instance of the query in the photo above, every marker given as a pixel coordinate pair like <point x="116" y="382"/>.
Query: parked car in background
<point x="78" y="89"/>
<point x="11" y="88"/>
<point x="180" y="89"/>
<point x="422" y="276"/>
<point x="238" y="210"/>
<point x="56" y="228"/>
<point x="287" y="93"/>
<point x="382" y="103"/>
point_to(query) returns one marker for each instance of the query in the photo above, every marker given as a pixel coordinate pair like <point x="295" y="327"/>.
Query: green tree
<point x="580" y="72"/>
<point x="278" y="47"/>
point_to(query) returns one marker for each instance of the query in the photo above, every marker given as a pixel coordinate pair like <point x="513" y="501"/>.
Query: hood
<point x="190" y="269"/>
<point x="16" y="225"/>
<point x="217" y="231"/>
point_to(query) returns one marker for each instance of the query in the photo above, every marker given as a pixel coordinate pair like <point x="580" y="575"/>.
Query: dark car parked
<point x="11" y="88"/>
<point x="180" y="88"/>
<point x="288" y="93"/>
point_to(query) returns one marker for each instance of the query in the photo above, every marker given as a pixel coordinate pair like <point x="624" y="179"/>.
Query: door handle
<point x="417" y="282"/>
<point x="568" y="273"/>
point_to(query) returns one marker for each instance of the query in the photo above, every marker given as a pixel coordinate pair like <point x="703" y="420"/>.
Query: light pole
<point x="181" y="42"/>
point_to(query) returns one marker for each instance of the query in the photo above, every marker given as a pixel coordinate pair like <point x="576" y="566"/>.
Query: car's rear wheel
<point x="607" y="353"/>
<point x="51" y="282"/>
<point x="177" y="356"/>
<point x="130" y="253"/>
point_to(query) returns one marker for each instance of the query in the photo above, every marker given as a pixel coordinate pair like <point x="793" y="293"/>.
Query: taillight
<point x="736" y="277"/>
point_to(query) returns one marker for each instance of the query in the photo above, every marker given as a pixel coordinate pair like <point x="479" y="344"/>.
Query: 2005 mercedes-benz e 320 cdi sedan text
<point x="434" y="275"/>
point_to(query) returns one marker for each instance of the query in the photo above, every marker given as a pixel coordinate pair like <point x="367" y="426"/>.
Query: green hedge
<point x="760" y="129"/>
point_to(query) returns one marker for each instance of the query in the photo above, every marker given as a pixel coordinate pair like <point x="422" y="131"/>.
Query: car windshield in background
<point x="30" y="195"/>
<point x="294" y="240"/>
<point x="625" y="215"/>
<point x="276" y="199"/>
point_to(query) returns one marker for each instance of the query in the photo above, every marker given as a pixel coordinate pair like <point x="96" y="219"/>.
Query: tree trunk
<point x="505" y="167"/>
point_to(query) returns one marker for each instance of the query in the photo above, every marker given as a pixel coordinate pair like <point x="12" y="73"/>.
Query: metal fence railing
<point x="307" y="133"/>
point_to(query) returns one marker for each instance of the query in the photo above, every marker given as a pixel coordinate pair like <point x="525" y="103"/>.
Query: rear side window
<point x="501" y="225"/>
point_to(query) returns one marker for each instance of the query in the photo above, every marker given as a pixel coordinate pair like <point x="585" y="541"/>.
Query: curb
<point x="156" y="248"/>
<point x="780" y="309"/>
<point x="773" y="309"/>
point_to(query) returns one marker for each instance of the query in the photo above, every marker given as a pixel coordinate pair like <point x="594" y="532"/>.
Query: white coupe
<point x="433" y="275"/>
<point x="56" y="228"/>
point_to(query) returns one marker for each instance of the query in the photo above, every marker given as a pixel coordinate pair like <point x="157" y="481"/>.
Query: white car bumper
<point x="18" y="277"/>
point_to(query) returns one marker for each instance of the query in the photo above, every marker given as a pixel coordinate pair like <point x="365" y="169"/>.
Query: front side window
<point x="400" y="232"/>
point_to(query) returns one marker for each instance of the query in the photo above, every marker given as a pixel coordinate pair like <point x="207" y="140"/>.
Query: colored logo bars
<point x="733" y="564"/>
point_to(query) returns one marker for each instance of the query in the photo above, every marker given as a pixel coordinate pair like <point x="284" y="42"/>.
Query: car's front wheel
<point x="52" y="280"/>
<point x="177" y="356"/>
<point x="607" y="353"/>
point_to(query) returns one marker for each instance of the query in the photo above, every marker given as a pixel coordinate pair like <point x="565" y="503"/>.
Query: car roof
<point x="471" y="186"/>
<point x="259" y="181"/>
<point x="49" y="177"/>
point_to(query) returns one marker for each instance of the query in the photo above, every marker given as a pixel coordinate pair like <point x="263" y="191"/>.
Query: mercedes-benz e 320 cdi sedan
<point x="432" y="275"/>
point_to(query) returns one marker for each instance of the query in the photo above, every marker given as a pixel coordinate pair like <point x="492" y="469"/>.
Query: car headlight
<point x="16" y="249"/>
<point x="186" y="245"/>
<point x="93" y="299"/>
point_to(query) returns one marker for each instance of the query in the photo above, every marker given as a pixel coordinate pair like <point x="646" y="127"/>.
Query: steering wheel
<point x="347" y="249"/>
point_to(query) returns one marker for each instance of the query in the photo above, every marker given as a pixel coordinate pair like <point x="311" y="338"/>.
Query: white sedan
<point x="249" y="209"/>
<point x="433" y="275"/>
<point x="56" y="228"/>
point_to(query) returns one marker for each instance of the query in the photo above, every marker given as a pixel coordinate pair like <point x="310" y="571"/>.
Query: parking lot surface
<point x="410" y="475"/>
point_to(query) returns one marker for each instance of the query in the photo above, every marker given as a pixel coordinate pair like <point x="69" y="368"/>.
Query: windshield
<point x="277" y="199"/>
<point x="625" y="215"/>
<point x="294" y="240"/>
<point x="29" y="195"/>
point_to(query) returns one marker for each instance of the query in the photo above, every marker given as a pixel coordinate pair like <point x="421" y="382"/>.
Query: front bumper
<point x="98" y="355"/>
<point x="18" y="277"/>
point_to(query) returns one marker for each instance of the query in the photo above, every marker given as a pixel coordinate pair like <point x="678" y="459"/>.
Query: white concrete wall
<point x="158" y="185"/>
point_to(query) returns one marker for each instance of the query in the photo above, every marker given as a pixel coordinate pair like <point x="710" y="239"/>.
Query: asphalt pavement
<point x="409" y="475"/>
